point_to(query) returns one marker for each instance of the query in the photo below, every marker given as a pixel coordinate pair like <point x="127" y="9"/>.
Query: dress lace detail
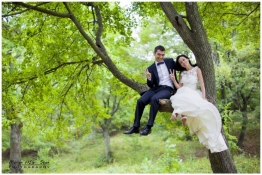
<point x="189" y="78"/>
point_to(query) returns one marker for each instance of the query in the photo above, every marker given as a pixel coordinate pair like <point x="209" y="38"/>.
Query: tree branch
<point x="49" y="12"/>
<point x="113" y="111"/>
<point x="101" y="52"/>
<point x="249" y="14"/>
<point x="89" y="4"/>
<point x="100" y="28"/>
<point x="175" y="18"/>
<point x="97" y="47"/>
<point x="67" y="8"/>
<point x="194" y="18"/>
<point x="17" y="13"/>
<point x="73" y="78"/>
<point x="178" y="23"/>
<point x="50" y="71"/>
<point x="167" y="107"/>
<point x="245" y="100"/>
<point x="99" y="31"/>
<point x="116" y="108"/>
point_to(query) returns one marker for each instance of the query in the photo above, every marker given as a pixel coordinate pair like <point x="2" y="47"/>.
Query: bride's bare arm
<point x="172" y="76"/>
<point x="180" y="78"/>
<point x="201" y="81"/>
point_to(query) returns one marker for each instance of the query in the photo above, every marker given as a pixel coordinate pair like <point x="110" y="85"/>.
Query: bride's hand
<point x="172" y="75"/>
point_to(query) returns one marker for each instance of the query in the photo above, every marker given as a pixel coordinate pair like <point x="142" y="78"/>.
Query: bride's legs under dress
<point x="184" y="119"/>
<point x="174" y="116"/>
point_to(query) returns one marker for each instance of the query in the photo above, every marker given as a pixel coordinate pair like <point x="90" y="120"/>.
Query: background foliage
<point x="55" y="85"/>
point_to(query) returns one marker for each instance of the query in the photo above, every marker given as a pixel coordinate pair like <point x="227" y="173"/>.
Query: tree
<point x="226" y="23"/>
<point x="194" y="35"/>
<point x="112" y="95"/>
<point x="11" y="109"/>
<point x="241" y="85"/>
<point x="86" y="18"/>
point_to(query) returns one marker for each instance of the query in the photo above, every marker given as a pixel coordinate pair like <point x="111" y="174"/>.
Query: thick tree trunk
<point x="222" y="162"/>
<point x="243" y="130"/>
<point x="15" y="149"/>
<point x="194" y="36"/>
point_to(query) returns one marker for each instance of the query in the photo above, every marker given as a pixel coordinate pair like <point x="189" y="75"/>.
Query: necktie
<point x="160" y="63"/>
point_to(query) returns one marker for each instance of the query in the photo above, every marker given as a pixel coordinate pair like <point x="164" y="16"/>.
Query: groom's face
<point x="159" y="55"/>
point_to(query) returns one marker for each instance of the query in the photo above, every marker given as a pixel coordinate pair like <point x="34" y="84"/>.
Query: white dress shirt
<point x="164" y="75"/>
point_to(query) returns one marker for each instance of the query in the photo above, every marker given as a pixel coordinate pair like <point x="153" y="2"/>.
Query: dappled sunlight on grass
<point x="197" y="165"/>
<point x="132" y="152"/>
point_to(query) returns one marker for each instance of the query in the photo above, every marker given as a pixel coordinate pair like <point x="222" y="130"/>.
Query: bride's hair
<point x="179" y="67"/>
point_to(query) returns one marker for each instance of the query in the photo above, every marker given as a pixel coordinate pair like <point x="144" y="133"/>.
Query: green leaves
<point x="232" y="23"/>
<point x="51" y="76"/>
<point x="238" y="79"/>
<point x="168" y="162"/>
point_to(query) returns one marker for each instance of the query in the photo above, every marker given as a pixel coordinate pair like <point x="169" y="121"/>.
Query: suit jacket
<point x="170" y="63"/>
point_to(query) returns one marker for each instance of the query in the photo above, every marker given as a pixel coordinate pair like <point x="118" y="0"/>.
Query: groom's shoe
<point x="145" y="131"/>
<point x="132" y="130"/>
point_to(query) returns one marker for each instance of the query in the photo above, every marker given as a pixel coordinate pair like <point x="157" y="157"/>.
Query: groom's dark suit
<point x="153" y="95"/>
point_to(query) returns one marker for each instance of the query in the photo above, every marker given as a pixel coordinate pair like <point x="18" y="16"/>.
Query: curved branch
<point x="101" y="52"/>
<point x="194" y="17"/>
<point x="67" y="8"/>
<point x="100" y="26"/>
<point x="50" y="71"/>
<point x="99" y="31"/>
<point x="90" y="4"/>
<point x="98" y="47"/>
<point x="17" y="13"/>
<point x="249" y="14"/>
<point x="178" y="22"/>
<point x="49" y="12"/>
<point x="175" y="18"/>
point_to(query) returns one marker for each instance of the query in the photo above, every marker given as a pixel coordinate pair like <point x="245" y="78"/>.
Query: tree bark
<point x="243" y="110"/>
<point x="15" y="149"/>
<point x="243" y="130"/>
<point x="107" y="122"/>
<point x="108" y="152"/>
<point x="222" y="162"/>
<point x="166" y="107"/>
<point x="195" y="38"/>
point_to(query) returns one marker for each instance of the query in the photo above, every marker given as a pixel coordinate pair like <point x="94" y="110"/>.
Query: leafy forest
<point x="72" y="73"/>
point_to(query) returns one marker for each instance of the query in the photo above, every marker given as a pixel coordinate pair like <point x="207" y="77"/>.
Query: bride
<point x="190" y="104"/>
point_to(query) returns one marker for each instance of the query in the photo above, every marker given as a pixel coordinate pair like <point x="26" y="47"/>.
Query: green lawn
<point x="134" y="154"/>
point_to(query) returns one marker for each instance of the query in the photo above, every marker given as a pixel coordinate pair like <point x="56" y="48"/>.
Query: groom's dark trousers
<point x="152" y="96"/>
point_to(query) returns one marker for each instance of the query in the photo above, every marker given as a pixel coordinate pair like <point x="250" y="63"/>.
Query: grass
<point x="130" y="152"/>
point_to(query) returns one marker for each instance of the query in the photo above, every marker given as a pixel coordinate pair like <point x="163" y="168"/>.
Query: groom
<point x="161" y="87"/>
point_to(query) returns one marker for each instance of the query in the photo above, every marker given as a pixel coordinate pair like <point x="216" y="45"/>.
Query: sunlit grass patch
<point x="136" y="154"/>
<point x="247" y="164"/>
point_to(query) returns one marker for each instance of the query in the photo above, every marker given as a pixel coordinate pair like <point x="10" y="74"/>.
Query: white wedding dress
<point x="203" y="118"/>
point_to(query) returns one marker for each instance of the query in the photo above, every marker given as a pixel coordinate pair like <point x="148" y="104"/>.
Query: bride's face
<point x="184" y="62"/>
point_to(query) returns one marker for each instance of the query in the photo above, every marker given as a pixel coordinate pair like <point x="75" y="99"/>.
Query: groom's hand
<point x="148" y="75"/>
